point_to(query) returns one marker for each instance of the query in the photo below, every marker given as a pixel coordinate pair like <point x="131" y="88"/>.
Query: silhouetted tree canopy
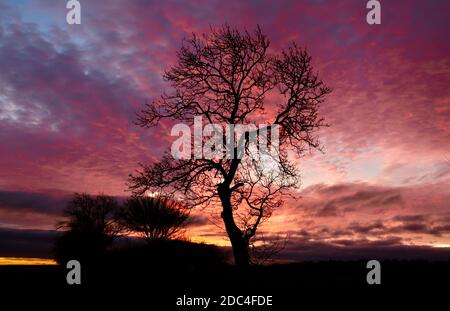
<point x="226" y="76"/>
<point x="90" y="227"/>
<point x="153" y="217"/>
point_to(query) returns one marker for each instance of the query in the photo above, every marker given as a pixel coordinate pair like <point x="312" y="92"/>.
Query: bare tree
<point x="226" y="76"/>
<point x="153" y="217"/>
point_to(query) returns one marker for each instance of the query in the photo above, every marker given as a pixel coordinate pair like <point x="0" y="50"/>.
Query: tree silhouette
<point x="153" y="217"/>
<point x="227" y="77"/>
<point x="90" y="227"/>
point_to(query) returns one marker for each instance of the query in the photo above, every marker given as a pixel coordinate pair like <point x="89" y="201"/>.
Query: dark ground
<point x="293" y="285"/>
<point x="153" y="277"/>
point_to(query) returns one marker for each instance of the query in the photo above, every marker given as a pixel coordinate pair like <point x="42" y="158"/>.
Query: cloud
<point x="63" y="118"/>
<point x="350" y="213"/>
<point x="68" y="98"/>
<point x="430" y="224"/>
<point x="40" y="243"/>
<point x="26" y="243"/>
<point x="361" y="197"/>
<point x="32" y="202"/>
<point x="360" y="250"/>
<point x="336" y="200"/>
<point x="197" y="220"/>
<point x="31" y="210"/>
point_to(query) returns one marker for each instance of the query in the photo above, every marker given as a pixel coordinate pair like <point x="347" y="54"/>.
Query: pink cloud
<point x="68" y="98"/>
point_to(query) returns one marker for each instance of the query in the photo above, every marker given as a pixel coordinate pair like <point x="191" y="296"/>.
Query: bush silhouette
<point x="93" y="223"/>
<point x="167" y="255"/>
<point x="90" y="228"/>
<point x="153" y="218"/>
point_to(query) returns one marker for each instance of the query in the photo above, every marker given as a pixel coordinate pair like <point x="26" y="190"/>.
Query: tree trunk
<point x="240" y="252"/>
<point x="238" y="242"/>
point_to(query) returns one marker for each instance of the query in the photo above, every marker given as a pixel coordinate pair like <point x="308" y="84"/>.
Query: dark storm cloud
<point x="27" y="243"/>
<point x="32" y="202"/>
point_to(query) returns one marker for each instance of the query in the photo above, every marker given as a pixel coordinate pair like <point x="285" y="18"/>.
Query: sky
<point x="69" y="95"/>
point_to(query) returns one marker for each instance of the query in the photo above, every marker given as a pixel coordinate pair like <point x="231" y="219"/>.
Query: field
<point x="290" y="285"/>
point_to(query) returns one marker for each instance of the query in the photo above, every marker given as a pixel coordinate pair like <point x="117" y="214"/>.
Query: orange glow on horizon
<point x="441" y="245"/>
<point x="210" y="240"/>
<point x="14" y="261"/>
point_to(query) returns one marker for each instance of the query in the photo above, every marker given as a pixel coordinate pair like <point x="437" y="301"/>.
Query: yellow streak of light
<point x="441" y="245"/>
<point x="8" y="261"/>
<point x="215" y="241"/>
